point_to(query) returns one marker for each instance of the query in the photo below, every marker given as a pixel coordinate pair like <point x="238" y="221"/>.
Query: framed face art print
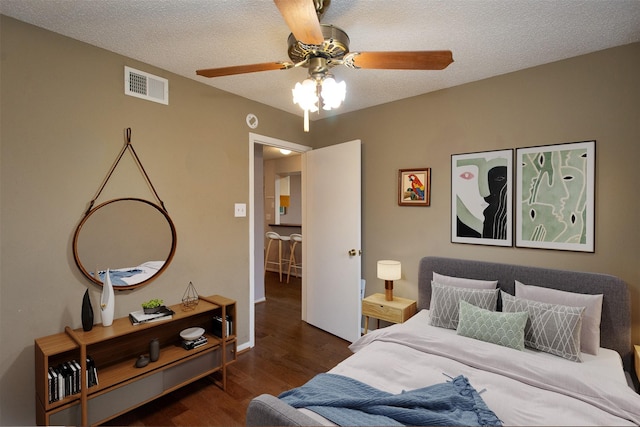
<point x="482" y="198"/>
<point x="555" y="196"/>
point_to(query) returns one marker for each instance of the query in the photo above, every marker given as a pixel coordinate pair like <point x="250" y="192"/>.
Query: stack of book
<point x="64" y="379"/>
<point x="198" y="342"/>
<point x="217" y="326"/>
<point x="139" y="317"/>
<point x="92" y="372"/>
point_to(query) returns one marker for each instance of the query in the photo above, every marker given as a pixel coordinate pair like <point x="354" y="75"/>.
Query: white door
<point x="331" y="211"/>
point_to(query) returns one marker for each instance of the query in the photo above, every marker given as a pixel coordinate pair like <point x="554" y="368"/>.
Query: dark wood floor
<point x="288" y="352"/>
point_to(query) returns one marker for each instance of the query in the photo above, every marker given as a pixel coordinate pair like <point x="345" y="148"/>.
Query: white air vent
<point x="146" y="86"/>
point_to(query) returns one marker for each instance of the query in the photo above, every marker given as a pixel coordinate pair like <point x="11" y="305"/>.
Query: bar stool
<point x="273" y="236"/>
<point x="295" y="239"/>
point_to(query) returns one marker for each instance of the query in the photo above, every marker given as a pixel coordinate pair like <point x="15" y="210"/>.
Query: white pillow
<point x="590" y="333"/>
<point x="461" y="282"/>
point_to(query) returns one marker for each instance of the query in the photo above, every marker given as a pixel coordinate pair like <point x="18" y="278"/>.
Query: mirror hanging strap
<point x="128" y="146"/>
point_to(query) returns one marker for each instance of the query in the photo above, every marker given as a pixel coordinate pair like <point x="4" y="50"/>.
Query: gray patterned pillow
<point x="590" y="331"/>
<point x="506" y="329"/>
<point x="445" y="303"/>
<point x="551" y="328"/>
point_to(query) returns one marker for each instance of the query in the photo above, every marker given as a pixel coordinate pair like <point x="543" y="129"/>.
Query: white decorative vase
<point x="107" y="301"/>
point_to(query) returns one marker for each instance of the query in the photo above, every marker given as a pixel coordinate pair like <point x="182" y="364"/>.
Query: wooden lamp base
<point x="388" y="290"/>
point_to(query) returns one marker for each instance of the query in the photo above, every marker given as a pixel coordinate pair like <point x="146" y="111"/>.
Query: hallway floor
<point x="288" y="353"/>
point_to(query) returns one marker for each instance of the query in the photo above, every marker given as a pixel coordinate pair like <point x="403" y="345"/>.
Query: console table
<point x="114" y="349"/>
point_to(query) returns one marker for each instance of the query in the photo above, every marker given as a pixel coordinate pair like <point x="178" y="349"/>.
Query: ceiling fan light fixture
<point x="308" y="93"/>
<point x="305" y="94"/>
<point x="320" y="47"/>
<point x="333" y="93"/>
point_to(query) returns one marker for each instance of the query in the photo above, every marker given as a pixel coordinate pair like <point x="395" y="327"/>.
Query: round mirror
<point x="133" y="238"/>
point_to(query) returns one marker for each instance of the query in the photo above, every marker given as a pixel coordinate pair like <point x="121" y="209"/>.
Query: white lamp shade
<point x="305" y="95"/>
<point x="389" y="270"/>
<point x="333" y="93"/>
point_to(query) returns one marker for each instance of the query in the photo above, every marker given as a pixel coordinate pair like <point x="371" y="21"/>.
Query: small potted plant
<point x="152" y="306"/>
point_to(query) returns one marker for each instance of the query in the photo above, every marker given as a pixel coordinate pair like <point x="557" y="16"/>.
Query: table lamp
<point x="389" y="271"/>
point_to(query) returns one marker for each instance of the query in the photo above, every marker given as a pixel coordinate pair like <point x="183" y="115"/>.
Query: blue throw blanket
<point x="348" y="402"/>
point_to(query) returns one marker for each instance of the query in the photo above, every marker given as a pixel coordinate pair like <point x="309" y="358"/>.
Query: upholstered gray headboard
<point x="615" y="327"/>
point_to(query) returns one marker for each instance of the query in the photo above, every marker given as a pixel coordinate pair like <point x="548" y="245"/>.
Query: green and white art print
<point x="555" y="187"/>
<point x="482" y="198"/>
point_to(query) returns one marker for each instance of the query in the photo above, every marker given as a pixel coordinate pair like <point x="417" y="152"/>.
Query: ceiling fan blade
<point x="418" y="60"/>
<point x="302" y="20"/>
<point x="243" y="69"/>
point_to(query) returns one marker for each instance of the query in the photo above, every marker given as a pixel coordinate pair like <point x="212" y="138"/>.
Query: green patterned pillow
<point x="506" y="329"/>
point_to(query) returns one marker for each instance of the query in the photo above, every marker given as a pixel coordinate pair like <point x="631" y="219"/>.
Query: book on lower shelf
<point x="65" y="379"/>
<point x="191" y="344"/>
<point x="217" y="325"/>
<point x="138" y="317"/>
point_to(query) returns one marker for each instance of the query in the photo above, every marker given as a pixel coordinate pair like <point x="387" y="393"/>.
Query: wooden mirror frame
<point x="84" y="269"/>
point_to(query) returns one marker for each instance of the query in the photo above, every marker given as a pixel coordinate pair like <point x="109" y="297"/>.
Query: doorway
<point x="257" y="215"/>
<point x="282" y="206"/>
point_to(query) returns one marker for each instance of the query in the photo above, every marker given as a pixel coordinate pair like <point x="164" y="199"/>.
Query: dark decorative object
<point x="142" y="361"/>
<point x="87" y="312"/>
<point x="154" y="349"/>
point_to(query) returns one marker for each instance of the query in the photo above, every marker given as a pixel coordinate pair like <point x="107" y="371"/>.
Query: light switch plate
<point x="240" y="209"/>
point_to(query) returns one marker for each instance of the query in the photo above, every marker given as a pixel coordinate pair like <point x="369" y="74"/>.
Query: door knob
<point x="352" y="252"/>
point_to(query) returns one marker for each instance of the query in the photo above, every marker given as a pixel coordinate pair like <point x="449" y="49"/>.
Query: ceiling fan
<point x="320" y="47"/>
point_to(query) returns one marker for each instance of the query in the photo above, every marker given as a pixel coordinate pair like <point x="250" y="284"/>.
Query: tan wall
<point x="63" y="119"/>
<point x="595" y="96"/>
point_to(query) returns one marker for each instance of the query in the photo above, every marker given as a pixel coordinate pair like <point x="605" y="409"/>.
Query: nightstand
<point x="396" y="311"/>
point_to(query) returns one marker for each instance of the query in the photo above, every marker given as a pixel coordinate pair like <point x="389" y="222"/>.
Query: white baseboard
<point x="243" y="346"/>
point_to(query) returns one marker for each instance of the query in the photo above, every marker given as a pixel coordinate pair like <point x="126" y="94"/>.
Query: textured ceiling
<point x="487" y="38"/>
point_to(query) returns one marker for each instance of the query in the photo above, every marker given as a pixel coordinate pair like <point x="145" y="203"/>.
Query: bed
<point x="131" y="275"/>
<point x="556" y="385"/>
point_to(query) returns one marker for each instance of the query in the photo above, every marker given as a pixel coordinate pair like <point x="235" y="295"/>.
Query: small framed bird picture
<point x="414" y="187"/>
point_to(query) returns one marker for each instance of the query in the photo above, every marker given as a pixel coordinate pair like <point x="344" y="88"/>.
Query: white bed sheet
<point x="607" y="362"/>
<point x="381" y="361"/>
<point x="147" y="269"/>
